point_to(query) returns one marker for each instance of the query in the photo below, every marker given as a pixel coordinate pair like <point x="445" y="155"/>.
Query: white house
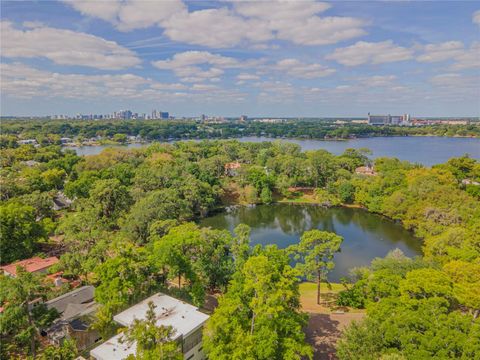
<point x="185" y="319"/>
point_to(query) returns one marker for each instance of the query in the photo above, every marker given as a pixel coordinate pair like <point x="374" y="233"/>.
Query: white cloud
<point x="469" y="59"/>
<point x="370" y="53"/>
<point x="295" y="68"/>
<point x="22" y="81"/>
<point x="105" y="10"/>
<point x="189" y="58"/>
<point x="441" y="52"/>
<point x="246" y="77"/>
<point x="378" y="80"/>
<point x="456" y="81"/>
<point x="476" y="17"/>
<point x="216" y="28"/>
<point x="452" y="50"/>
<point x="195" y="66"/>
<point x="65" y="47"/>
<point x="131" y="14"/>
<point x="245" y="23"/>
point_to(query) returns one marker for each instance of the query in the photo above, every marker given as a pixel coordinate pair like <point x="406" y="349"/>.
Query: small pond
<point x="366" y="235"/>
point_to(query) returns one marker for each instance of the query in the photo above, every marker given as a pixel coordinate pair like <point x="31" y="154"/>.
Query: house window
<point x="192" y="340"/>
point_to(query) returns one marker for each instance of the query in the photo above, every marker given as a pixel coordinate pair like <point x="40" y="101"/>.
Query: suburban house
<point x="61" y="201"/>
<point x="77" y="309"/>
<point x="365" y="170"/>
<point x="186" y="320"/>
<point x="32" y="265"/>
<point x="231" y="169"/>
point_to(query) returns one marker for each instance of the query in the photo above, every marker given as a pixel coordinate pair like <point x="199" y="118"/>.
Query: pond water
<point x="366" y="235"/>
<point x="424" y="150"/>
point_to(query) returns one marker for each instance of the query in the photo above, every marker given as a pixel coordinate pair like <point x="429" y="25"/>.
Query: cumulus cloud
<point x="243" y="23"/>
<point x="65" y="47"/>
<point x="476" y="17"/>
<point x="131" y="14"/>
<point x="441" y="52"/>
<point x="370" y="53"/>
<point x="452" y="50"/>
<point x="23" y="81"/>
<point x="296" y="68"/>
<point x="195" y="66"/>
<point x="456" y="81"/>
<point x="299" y="22"/>
<point x="377" y="80"/>
<point x="246" y="77"/>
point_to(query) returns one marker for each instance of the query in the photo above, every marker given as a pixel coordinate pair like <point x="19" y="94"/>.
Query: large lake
<point x="366" y="235"/>
<point x="424" y="150"/>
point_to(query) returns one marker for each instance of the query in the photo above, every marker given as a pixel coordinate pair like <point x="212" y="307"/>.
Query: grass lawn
<point x="308" y="298"/>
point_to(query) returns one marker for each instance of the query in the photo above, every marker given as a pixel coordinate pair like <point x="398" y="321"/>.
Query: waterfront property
<point x="186" y="320"/>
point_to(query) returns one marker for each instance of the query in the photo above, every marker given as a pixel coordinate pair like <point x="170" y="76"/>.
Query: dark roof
<point x="78" y="325"/>
<point x="77" y="296"/>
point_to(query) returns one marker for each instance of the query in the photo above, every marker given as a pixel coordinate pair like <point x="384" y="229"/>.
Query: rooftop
<point x="233" y="165"/>
<point x="77" y="296"/>
<point x="170" y="312"/>
<point x="31" y="265"/>
<point x="183" y="317"/>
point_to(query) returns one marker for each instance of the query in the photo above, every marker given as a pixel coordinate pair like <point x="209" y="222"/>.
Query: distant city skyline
<point x="263" y="59"/>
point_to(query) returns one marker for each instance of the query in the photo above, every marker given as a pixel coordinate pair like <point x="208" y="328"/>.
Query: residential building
<point x="77" y="309"/>
<point x="27" y="142"/>
<point x="365" y="170"/>
<point x="231" y="169"/>
<point x="186" y="320"/>
<point x="61" y="201"/>
<point x="32" y="265"/>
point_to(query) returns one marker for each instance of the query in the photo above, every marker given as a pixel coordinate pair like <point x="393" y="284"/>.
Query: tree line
<point x="50" y="131"/>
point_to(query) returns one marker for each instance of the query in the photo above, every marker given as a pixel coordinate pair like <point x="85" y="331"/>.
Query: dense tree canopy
<point x="128" y="233"/>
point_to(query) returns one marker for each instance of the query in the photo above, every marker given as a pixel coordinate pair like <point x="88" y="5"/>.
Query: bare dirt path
<point x="326" y="322"/>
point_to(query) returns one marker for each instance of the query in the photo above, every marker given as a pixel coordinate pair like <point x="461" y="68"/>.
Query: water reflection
<point x="366" y="235"/>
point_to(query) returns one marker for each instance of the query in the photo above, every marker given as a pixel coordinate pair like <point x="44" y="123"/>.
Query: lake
<point x="424" y="150"/>
<point x="366" y="235"/>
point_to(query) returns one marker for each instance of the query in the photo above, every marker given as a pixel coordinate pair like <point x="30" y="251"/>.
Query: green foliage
<point x="152" y="341"/>
<point x="66" y="351"/>
<point x="266" y="195"/>
<point x="314" y="255"/>
<point x="258" y="317"/>
<point x="123" y="278"/>
<point x="19" y="231"/>
<point x="19" y="327"/>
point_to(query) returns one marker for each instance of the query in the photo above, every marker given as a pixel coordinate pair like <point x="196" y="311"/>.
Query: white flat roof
<point x="183" y="317"/>
<point x="112" y="349"/>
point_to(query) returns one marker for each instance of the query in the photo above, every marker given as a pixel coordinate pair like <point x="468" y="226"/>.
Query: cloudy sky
<point x="297" y="58"/>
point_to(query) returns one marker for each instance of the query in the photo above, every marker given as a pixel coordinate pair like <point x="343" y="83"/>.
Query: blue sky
<point x="282" y="58"/>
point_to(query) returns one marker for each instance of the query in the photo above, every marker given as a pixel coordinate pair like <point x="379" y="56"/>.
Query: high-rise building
<point x="389" y="119"/>
<point x="243" y="117"/>
<point x="164" y="115"/>
<point x="379" y="119"/>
